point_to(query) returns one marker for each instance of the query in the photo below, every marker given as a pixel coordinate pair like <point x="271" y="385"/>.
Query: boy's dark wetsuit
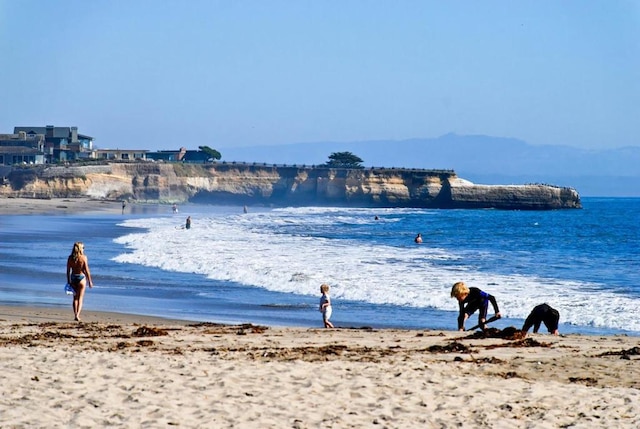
<point x="476" y="300"/>
<point x="542" y="313"/>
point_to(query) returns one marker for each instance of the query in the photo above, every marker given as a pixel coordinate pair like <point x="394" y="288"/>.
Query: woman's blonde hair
<point x="78" y="249"/>
<point x="324" y="288"/>
<point x="459" y="289"/>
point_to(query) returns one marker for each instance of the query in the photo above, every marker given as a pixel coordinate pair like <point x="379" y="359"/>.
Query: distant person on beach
<point x="174" y="208"/>
<point x="78" y="275"/>
<point x="325" y="305"/>
<point x="245" y="210"/>
<point x="418" y="238"/>
<point x="470" y="300"/>
<point x="188" y="224"/>
<point x="124" y="205"/>
<point x="542" y="313"/>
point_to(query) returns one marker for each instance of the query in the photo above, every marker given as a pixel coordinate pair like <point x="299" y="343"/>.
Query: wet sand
<point x="57" y="206"/>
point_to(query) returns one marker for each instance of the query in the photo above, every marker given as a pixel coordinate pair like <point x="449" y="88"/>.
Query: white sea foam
<point x="258" y="250"/>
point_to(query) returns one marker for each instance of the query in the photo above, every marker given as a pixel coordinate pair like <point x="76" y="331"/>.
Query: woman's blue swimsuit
<point x="77" y="278"/>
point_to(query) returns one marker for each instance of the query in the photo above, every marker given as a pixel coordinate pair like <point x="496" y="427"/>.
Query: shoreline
<point x="57" y="206"/>
<point x="64" y="206"/>
<point x="136" y="371"/>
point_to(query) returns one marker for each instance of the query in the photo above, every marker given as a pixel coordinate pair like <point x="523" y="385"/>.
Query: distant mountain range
<point x="480" y="159"/>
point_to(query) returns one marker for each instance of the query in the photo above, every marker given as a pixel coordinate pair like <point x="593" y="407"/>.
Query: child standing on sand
<point x="325" y="305"/>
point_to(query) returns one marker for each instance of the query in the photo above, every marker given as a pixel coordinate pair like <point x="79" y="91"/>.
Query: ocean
<point x="266" y="266"/>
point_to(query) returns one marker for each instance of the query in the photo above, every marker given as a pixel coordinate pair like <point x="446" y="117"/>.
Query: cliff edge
<point x="222" y="183"/>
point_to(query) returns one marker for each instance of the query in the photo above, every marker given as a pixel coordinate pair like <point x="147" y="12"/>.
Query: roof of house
<point x="17" y="137"/>
<point x="58" y="132"/>
<point x="120" y="150"/>
<point x="23" y="150"/>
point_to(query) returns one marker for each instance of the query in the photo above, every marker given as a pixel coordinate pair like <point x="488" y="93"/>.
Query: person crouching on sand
<point x="325" y="305"/>
<point x="542" y="313"/>
<point x="470" y="300"/>
<point x="78" y="275"/>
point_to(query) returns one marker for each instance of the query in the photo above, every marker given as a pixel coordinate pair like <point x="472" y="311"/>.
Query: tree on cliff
<point x="211" y="152"/>
<point x="344" y="160"/>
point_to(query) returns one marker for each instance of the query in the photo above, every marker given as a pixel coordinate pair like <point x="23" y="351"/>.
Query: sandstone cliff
<point x="280" y="186"/>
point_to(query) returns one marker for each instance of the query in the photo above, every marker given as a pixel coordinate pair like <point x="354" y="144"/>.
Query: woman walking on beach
<point x="78" y="275"/>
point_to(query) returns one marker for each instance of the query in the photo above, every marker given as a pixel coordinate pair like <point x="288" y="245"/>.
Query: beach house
<point x="20" y="148"/>
<point x="60" y="143"/>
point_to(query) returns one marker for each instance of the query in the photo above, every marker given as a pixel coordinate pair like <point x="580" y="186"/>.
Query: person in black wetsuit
<point x="470" y="300"/>
<point x="542" y="313"/>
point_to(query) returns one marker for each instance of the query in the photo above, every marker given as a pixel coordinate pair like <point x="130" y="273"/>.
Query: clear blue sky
<point x="160" y="74"/>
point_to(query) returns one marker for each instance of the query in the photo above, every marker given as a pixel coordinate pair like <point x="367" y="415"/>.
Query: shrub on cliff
<point x="344" y="160"/>
<point x="213" y="154"/>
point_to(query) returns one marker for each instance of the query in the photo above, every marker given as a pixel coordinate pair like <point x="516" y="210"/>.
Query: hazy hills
<point x="481" y="159"/>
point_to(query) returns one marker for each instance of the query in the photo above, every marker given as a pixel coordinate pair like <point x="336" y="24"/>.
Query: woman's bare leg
<point x="78" y="297"/>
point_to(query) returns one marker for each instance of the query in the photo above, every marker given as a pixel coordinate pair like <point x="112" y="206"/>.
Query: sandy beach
<point x="128" y="371"/>
<point x="132" y="371"/>
<point x="25" y="206"/>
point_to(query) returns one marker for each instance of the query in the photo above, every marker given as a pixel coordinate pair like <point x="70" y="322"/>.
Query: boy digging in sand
<point x="471" y="299"/>
<point x="325" y="305"/>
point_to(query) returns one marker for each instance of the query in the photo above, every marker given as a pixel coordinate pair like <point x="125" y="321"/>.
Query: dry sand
<point x="143" y="372"/>
<point x="131" y="371"/>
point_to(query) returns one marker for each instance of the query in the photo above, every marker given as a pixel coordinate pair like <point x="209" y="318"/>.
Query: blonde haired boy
<point x="470" y="300"/>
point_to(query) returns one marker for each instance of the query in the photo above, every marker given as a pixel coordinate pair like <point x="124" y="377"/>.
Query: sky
<point x="161" y="74"/>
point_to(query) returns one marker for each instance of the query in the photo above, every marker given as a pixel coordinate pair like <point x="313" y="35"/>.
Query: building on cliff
<point x="51" y="145"/>
<point x="21" y="148"/>
<point x="120" y="154"/>
<point x="181" y="155"/>
<point x="60" y="143"/>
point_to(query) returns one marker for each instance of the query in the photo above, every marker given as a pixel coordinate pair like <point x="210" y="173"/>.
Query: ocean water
<point x="266" y="266"/>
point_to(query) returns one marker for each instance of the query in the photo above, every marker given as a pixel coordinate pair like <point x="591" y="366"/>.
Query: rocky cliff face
<point x="261" y="184"/>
